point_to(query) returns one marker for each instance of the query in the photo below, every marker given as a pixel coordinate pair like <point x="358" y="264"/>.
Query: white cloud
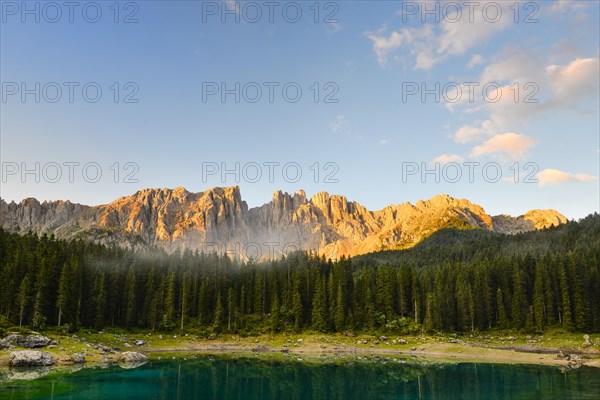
<point x="232" y="5"/>
<point x="562" y="6"/>
<point x="338" y="123"/>
<point x="513" y="65"/>
<point x="458" y="37"/>
<point x="475" y="60"/>
<point x="470" y="133"/>
<point x="384" y="141"/>
<point x="341" y="126"/>
<point x="555" y="87"/>
<point x="333" y="26"/>
<point x="527" y="87"/>
<point x="420" y="42"/>
<point x="453" y="36"/>
<point x="570" y="83"/>
<point x="506" y="146"/>
<point x="551" y="176"/>
<point x="467" y="134"/>
<point x="448" y="158"/>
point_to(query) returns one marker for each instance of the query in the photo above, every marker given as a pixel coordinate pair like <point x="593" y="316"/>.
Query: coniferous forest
<point x="453" y="281"/>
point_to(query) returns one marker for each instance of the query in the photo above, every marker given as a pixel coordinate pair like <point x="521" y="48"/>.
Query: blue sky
<point x="366" y="60"/>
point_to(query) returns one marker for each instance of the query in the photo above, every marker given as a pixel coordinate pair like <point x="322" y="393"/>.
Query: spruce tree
<point x="297" y="308"/>
<point x="340" y="310"/>
<point x="219" y="314"/>
<point x="23" y="296"/>
<point x="319" y="307"/>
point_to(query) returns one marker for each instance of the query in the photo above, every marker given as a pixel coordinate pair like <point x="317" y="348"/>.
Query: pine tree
<point x="169" y="305"/>
<point x="185" y="296"/>
<point x="130" y="298"/>
<point x="259" y="294"/>
<point x="275" y="314"/>
<point x="297" y="308"/>
<point x="230" y="308"/>
<point x="567" y="319"/>
<point x="384" y="294"/>
<point x="340" y="310"/>
<point x="539" y="304"/>
<point x="369" y="310"/>
<point x="319" y="306"/>
<point x="203" y="304"/>
<point x="579" y="307"/>
<point x="502" y="318"/>
<point x="519" y="302"/>
<point x="68" y="302"/>
<point x="156" y="305"/>
<point x="63" y="292"/>
<point x="429" y="321"/>
<point x="23" y="297"/>
<point x="100" y="301"/>
<point x="218" y="322"/>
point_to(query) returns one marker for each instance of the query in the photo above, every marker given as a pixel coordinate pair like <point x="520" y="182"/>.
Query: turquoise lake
<point x="253" y="378"/>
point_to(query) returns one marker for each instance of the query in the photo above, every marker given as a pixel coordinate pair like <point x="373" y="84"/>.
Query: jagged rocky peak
<point x="542" y="219"/>
<point x="320" y="200"/>
<point x="531" y="220"/>
<point x="440" y="200"/>
<point x="327" y="223"/>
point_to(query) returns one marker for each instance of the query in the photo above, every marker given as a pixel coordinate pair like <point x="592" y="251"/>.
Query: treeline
<point x="526" y="282"/>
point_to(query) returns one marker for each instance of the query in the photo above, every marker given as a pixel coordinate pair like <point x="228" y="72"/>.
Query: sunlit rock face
<point x="219" y="220"/>
<point x="530" y="221"/>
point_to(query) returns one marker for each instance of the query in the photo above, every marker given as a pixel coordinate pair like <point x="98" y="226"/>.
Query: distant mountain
<point x="219" y="220"/>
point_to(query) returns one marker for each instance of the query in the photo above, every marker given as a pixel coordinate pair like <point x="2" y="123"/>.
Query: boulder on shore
<point x="261" y="348"/>
<point x="132" y="356"/>
<point x="30" y="358"/>
<point x="31" y="341"/>
<point x="132" y="359"/>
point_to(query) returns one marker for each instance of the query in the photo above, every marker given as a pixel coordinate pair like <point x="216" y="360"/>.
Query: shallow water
<point x="251" y="378"/>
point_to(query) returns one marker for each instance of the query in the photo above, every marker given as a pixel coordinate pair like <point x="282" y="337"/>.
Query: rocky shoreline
<point x="26" y="354"/>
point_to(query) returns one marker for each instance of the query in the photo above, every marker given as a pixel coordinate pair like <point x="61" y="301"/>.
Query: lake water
<point x="257" y="378"/>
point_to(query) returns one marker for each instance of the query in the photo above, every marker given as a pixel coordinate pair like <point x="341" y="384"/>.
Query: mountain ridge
<point x="218" y="219"/>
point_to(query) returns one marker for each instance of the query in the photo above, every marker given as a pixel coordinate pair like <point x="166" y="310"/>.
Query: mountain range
<point x="219" y="220"/>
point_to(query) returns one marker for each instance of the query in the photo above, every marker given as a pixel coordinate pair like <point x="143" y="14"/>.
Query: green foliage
<point x="457" y="280"/>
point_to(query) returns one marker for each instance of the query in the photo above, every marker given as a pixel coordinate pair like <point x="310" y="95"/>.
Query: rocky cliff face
<point x="219" y="220"/>
<point x="530" y="221"/>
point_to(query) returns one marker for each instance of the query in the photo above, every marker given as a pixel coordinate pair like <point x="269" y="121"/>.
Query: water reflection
<point x="251" y="378"/>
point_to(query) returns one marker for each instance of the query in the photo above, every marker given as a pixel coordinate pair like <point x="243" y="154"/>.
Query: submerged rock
<point x="26" y="374"/>
<point x="30" y="358"/>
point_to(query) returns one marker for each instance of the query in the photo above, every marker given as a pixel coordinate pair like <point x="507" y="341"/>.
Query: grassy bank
<point x="493" y="347"/>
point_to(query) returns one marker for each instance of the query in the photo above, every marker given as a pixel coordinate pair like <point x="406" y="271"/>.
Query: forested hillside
<point x="453" y="281"/>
